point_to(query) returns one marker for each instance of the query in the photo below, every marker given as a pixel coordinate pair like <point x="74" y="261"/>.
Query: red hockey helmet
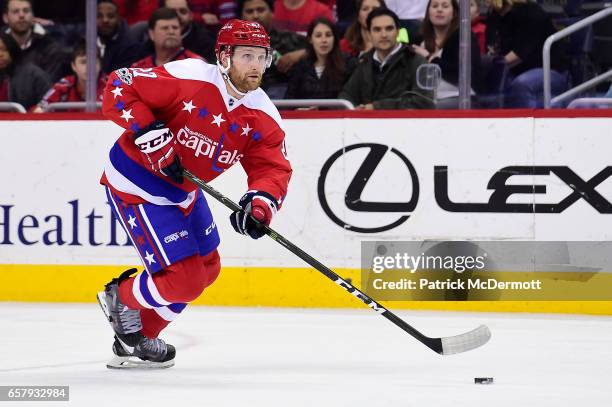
<point x="239" y="32"/>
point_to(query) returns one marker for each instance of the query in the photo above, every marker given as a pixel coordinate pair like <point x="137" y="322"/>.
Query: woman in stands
<point x="357" y="40"/>
<point x="322" y="74"/>
<point x="20" y="83"/>
<point x="516" y="30"/>
<point x="440" y="45"/>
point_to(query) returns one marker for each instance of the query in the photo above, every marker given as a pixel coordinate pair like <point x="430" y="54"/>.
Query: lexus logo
<point x="498" y="202"/>
<point x="353" y="195"/>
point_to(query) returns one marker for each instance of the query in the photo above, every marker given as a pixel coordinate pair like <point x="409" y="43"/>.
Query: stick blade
<point x="467" y="341"/>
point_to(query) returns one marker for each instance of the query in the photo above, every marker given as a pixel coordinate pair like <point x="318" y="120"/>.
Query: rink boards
<point x="428" y="177"/>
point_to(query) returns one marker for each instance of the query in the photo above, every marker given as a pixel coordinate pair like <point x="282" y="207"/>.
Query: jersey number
<point x="146" y="72"/>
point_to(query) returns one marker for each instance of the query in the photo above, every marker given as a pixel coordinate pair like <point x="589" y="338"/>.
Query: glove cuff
<point x="260" y="199"/>
<point x="155" y="139"/>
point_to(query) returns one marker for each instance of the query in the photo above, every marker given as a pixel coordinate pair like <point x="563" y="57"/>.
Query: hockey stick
<point x="444" y="346"/>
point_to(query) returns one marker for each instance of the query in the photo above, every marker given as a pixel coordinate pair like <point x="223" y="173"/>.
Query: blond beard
<point x="243" y="84"/>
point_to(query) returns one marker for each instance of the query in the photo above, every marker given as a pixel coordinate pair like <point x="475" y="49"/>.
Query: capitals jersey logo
<point x="206" y="147"/>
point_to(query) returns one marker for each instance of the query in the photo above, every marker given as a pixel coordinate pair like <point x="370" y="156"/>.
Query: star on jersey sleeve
<point x="132" y="94"/>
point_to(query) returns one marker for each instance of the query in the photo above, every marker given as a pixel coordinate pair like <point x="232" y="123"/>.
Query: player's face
<point x="322" y="40"/>
<point x="19" y="16"/>
<point x="79" y="67"/>
<point x="247" y="68"/>
<point x="258" y="11"/>
<point x="5" y="57"/>
<point x="364" y="10"/>
<point x="440" y="13"/>
<point x="384" y="33"/>
<point x="182" y="9"/>
<point x="108" y="19"/>
<point x="166" y="34"/>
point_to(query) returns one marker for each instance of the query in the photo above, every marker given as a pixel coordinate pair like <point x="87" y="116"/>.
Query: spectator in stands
<point x="22" y="83"/>
<point x="357" y="38"/>
<point x="516" y="30"/>
<point x="196" y="37"/>
<point x="478" y="26"/>
<point x="37" y="47"/>
<point x="214" y="13"/>
<point x="410" y="12"/>
<point x="288" y="46"/>
<point x="440" y="33"/>
<point x="323" y="73"/>
<point x="73" y="87"/>
<point x="165" y="33"/>
<point x="118" y="47"/>
<point x="296" y="15"/>
<point x="386" y="75"/>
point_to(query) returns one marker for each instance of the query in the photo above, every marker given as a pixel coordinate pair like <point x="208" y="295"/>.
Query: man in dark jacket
<point x="386" y="76"/>
<point x="37" y="47"/>
<point x="119" y="48"/>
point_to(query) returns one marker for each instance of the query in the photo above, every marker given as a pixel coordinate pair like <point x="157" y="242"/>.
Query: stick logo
<point x="364" y="298"/>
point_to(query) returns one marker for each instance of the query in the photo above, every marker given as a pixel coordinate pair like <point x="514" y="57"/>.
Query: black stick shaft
<point x="434" y="344"/>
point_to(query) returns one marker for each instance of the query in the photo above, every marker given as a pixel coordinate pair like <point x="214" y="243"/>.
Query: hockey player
<point x="205" y="118"/>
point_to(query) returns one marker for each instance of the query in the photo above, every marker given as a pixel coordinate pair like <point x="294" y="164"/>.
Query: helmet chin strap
<point x="225" y="73"/>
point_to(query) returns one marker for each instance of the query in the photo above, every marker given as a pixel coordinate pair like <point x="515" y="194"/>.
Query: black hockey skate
<point x="130" y="343"/>
<point x="147" y="354"/>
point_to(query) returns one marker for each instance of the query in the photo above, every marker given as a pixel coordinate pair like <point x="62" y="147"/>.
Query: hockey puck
<point x="483" y="380"/>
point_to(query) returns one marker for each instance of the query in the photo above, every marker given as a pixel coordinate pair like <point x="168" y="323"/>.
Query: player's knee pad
<point x="192" y="275"/>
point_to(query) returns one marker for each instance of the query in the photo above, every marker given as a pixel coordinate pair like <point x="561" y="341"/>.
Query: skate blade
<point x="132" y="362"/>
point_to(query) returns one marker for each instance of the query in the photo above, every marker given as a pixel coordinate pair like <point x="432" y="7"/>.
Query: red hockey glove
<point x="158" y="146"/>
<point x="258" y="208"/>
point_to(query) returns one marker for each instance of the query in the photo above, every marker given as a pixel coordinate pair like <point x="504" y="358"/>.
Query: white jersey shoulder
<point x="198" y="70"/>
<point x="259" y="100"/>
<point x="191" y="68"/>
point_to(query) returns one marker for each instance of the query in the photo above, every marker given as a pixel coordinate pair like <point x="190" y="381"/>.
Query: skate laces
<point x="130" y="320"/>
<point x="152" y="347"/>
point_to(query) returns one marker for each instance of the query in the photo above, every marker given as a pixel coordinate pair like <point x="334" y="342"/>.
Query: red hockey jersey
<point x="213" y="129"/>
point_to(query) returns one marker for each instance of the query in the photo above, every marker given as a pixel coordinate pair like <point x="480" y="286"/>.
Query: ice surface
<point x="293" y="357"/>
